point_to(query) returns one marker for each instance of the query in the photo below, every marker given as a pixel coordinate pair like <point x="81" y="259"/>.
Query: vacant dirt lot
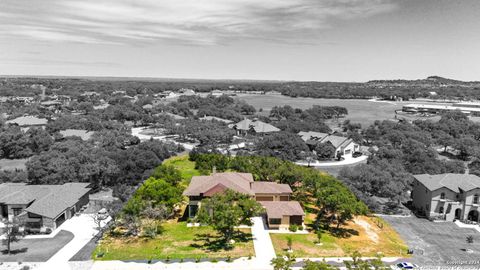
<point x="442" y="243"/>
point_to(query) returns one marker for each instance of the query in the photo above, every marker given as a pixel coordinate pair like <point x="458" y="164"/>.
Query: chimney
<point x="214" y="170"/>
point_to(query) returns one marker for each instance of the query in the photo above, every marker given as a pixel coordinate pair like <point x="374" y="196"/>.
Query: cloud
<point x="202" y="22"/>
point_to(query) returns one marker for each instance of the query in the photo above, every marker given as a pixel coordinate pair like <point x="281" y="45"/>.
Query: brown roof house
<point x="246" y="125"/>
<point x="280" y="211"/>
<point x="447" y="196"/>
<point x="46" y="206"/>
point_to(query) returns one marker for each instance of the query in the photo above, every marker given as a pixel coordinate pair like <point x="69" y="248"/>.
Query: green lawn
<point x="176" y="242"/>
<point x="363" y="236"/>
<point x="185" y="166"/>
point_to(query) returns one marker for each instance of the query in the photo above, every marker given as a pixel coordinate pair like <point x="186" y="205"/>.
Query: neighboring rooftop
<point x="29" y="120"/>
<point x="45" y="200"/>
<point x="239" y="182"/>
<point x="259" y="187"/>
<point x="312" y="137"/>
<point x="84" y="134"/>
<point x="452" y="181"/>
<point x="258" y="126"/>
<point x="278" y="209"/>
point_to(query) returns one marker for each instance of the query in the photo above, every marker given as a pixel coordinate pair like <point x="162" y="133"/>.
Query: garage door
<point x="264" y="198"/>
<point x="60" y="220"/>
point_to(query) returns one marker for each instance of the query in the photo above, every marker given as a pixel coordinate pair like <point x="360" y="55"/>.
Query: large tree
<point x="226" y="211"/>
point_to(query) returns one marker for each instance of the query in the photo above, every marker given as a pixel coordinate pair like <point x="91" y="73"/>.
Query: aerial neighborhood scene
<point x="264" y="135"/>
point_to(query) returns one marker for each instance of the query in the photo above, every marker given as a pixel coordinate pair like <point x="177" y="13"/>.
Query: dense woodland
<point x="445" y="88"/>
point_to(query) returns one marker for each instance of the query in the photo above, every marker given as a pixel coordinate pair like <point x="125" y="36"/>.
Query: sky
<point x="320" y="40"/>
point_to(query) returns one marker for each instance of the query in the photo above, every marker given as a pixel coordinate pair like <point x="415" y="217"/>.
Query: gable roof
<point x="312" y="137"/>
<point x="28" y="121"/>
<point x="264" y="187"/>
<point x="452" y="181"/>
<point x="258" y="126"/>
<point x="45" y="200"/>
<point x="239" y="182"/>
<point x="282" y="208"/>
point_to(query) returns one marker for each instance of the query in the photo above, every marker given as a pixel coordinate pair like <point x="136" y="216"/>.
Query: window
<point x="440" y="210"/>
<point x="17" y="211"/>
<point x="275" y="221"/>
<point x="442" y="196"/>
<point x="475" y="199"/>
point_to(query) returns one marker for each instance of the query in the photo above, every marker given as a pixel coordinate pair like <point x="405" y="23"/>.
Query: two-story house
<point x="447" y="196"/>
<point x="280" y="211"/>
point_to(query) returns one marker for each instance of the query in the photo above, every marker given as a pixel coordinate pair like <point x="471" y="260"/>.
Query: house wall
<point x="468" y="202"/>
<point x="271" y="197"/>
<point x="421" y="197"/>
<point x="449" y="204"/>
<point x="82" y="201"/>
<point x="10" y="208"/>
<point x="349" y="149"/>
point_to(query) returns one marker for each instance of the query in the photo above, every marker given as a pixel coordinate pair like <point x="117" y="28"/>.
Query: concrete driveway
<point x="264" y="251"/>
<point x="84" y="229"/>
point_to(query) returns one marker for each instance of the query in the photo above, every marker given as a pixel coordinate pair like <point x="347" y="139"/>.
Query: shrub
<point x="229" y="259"/>
<point x="100" y="254"/>
<point x="214" y="260"/>
<point x="293" y="228"/>
<point x="197" y="260"/>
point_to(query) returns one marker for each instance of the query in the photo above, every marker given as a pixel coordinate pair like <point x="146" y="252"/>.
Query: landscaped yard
<point x="176" y="242"/>
<point x="36" y="250"/>
<point x="364" y="236"/>
<point x="185" y="166"/>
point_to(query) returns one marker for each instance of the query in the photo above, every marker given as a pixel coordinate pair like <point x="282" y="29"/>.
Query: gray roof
<point x="28" y="121"/>
<point x="258" y="126"/>
<point x="239" y="182"/>
<point x="45" y="200"/>
<point x="84" y="134"/>
<point x="312" y="137"/>
<point x="270" y="188"/>
<point x="282" y="208"/>
<point x="452" y="181"/>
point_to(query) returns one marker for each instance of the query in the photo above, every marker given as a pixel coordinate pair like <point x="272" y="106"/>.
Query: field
<point x="185" y="166"/>
<point x="359" y="110"/>
<point x="363" y="235"/>
<point x="176" y="242"/>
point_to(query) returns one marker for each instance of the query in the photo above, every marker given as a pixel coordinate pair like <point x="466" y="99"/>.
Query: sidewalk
<point x="264" y="251"/>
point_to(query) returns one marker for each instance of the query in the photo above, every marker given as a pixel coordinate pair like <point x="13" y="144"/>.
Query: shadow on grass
<point x="14" y="251"/>
<point x="343" y="232"/>
<point x="215" y="243"/>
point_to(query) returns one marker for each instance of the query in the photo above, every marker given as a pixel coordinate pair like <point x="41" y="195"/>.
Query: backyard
<point x="176" y="242"/>
<point x="185" y="166"/>
<point x="363" y="235"/>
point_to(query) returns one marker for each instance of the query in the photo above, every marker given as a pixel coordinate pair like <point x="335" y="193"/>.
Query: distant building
<point x="343" y="145"/>
<point x="147" y="107"/>
<point x="213" y="118"/>
<point x="464" y="107"/>
<point x="247" y="125"/>
<point x="26" y="122"/>
<point x="187" y="92"/>
<point x="216" y="93"/>
<point x="83" y="134"/>
<point x="447" y="196"/>
<point x="280" y="211"/>
<point x="42" y="205"/>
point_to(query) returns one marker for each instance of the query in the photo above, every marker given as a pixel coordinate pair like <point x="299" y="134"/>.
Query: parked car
<point x="357" y="154"/>
<point x="404" y="265"/>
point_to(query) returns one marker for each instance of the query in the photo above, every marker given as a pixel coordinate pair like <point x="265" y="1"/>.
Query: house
<point x="187" y="92"/>
<point x="343" y="146"/>
<point x="83" y="134"/>
<point x="280" y="211"/>
<point x="447" y="196"/>
<point x="213" y="118"/>
<point x="46" y="206"/>
<point x="246" y="125"/>
<point x="26" y="122"/>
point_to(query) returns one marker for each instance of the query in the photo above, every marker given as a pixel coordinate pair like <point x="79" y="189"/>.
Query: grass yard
<point x="364" y="236"/>
<point x="185" y="166"/>
<point x="176" y="242"/>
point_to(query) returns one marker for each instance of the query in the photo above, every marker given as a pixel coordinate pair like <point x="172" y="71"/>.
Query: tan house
<point x="343" y="145"/>
<point x="447" y="196"/>
<point x="42" y="206"/>
<point x="248" y="126"/>
<point x="280" y="211"/>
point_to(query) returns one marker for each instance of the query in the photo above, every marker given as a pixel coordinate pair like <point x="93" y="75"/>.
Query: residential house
<point x="344" y="147"/>
<point x="40" y="206"/>
<point x="280" y="211"/>
<point x="26" y="122"/>
<point x="447" y="196"/>
<point x="246" y="125"/>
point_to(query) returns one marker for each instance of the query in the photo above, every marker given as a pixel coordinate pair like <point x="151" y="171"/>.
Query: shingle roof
<point x="282" y="208"/>
<point x="311" y="137"/>
<point x="46" y="200"/>
<point x="239" y="182"/>
<point x="270" y="188"/>
<point x="258" y="126"/>
<point x="84" y="134"/>
<point x="28" y="121"/>
<point x="452" y="181"/>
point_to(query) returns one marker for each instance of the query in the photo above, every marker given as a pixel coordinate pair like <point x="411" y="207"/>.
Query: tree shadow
<point x="343" y="232"/>
<point x="215" y="243"/>
<point x="15" y="251"/>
